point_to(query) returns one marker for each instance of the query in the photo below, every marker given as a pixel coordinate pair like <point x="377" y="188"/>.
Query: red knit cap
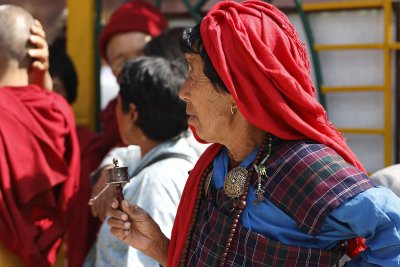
<point x="139" y="16"/>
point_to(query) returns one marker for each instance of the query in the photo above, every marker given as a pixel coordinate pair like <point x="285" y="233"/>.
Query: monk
<point x="39" y="151"/>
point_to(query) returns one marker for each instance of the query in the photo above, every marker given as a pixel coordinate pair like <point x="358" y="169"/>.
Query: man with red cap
<point x="39" y="151"/>
<point x="279" y="186"/>
<point x="130" y="27"/>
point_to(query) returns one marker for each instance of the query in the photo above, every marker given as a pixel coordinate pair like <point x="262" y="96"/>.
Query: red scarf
<point x="39" y="168"/>
<point x="261" y="60"/>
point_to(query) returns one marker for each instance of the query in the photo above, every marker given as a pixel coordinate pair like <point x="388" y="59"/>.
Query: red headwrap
<point x="261" y="60"/>
<point x="264" y="65"/>
<point x="133" y="16"/>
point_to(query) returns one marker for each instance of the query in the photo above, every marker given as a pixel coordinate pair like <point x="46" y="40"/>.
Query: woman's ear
<point x="133" y="113"/>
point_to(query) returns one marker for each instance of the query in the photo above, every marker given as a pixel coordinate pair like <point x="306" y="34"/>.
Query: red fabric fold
<point x="261" y="60"/>
<point x="39" y="169"/>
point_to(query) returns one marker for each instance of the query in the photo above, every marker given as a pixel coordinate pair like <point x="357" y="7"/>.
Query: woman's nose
<point x="184" y="91"/>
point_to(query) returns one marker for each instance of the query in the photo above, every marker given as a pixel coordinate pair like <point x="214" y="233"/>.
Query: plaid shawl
<point x="306" y="181"/>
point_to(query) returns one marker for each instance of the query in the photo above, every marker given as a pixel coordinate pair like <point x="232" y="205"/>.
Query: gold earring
<point x="233" y="109"/>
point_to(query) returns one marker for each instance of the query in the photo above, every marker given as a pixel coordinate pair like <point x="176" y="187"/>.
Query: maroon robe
<point x="39" y="167"/>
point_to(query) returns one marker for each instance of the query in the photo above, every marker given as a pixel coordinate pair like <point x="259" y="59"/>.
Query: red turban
<point x="263" y="63"/>
<point x="133" y="16"/>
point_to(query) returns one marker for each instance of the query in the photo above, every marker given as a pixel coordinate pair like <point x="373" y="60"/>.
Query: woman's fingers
<point x="118" y="223"/>
<point x="119" y="227"/>
<point x="114" y="212"/>
<point x="119" y="233"/>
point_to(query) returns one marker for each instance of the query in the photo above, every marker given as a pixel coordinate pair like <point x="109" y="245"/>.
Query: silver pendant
<point x="235" y="182"/>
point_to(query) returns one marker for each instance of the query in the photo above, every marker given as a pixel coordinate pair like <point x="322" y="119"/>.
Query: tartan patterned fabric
<point x="306" y="181"/>
<point x="248" y="248"/>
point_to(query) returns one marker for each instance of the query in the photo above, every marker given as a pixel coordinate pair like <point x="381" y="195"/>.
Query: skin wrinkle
<point x="212" y="109"/>
<point x="210" y="113"/>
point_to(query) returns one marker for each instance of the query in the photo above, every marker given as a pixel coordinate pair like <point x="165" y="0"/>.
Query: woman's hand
<point x="39" y="69"/>
<point x="135" y="227"/>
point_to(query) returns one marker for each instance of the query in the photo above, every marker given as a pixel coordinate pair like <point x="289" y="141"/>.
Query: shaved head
<point x="14" y="33"/>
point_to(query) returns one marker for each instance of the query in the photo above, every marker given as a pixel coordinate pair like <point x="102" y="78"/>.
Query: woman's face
<point x="208" y="109"/>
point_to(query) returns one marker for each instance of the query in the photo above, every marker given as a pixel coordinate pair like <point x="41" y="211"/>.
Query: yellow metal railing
<point x="391" y="45"/>
<point x="387" y="9"/>
<point x="386" y="46"/>
<point x="342" y="89"/>
<point x="313" y="7"/>
<point x="362" y="130"/>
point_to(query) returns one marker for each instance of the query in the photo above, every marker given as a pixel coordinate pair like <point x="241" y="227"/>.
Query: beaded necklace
<point x="239" y="204"/>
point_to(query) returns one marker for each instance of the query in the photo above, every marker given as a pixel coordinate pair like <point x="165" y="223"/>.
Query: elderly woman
<point x="279" y="187"/>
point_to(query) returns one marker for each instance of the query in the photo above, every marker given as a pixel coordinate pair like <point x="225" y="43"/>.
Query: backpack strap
<point x="161" y="157"/>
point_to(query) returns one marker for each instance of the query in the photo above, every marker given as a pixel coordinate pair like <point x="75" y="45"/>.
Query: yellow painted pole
<point x="339" y="5"/>
<point x="361" y="131"/>
<point x="81" y="48"/>
<point x="395" y="46"/>
<point x="342" y="89"/>
<point x="321" y="47"/>
<point x="387" y="82"/>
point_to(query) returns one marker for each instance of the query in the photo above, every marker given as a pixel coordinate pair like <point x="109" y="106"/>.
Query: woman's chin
<point x="192" y="120"/>
<point x="198" y="134"/>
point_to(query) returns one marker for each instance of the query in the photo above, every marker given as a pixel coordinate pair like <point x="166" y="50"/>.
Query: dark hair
<point x="61" y="65"/>
<point x="153" y="84"/>
<point x="166" y="45"/>
<point x="192" y="43"/>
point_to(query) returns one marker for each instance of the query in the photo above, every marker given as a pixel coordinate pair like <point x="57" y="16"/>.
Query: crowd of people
<point x="231" y="158"/>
